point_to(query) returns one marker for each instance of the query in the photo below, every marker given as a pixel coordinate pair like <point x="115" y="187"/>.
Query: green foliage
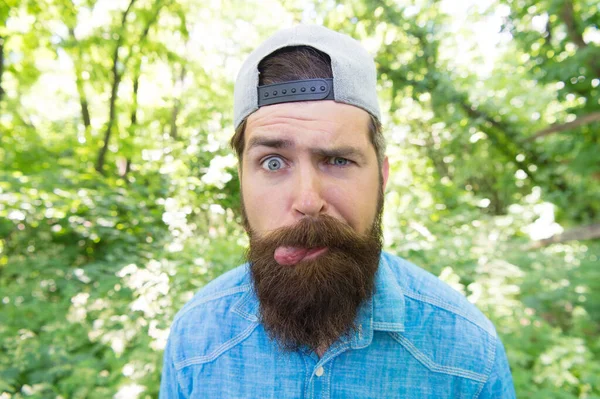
<point x="95" y="260"/>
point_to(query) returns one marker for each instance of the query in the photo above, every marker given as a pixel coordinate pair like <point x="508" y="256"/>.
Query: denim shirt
<point x="416" y="338"/>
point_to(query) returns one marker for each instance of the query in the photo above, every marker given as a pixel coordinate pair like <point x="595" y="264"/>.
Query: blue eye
<point x="339" y="161"/>
<point x="272" y="163"/>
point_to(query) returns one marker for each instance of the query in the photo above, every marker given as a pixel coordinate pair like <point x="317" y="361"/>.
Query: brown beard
<point x="313" y="303"/>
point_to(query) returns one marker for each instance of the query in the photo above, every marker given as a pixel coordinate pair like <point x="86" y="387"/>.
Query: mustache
<point x="309" y="232"/>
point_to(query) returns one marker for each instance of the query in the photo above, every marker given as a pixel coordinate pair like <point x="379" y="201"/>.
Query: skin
<point x="309" y="159"/>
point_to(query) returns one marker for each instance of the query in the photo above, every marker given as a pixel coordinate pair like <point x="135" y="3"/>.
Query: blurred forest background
<point x="119" y="195"/>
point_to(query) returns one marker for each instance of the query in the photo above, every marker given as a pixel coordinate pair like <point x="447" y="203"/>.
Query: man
<point x="319" y="311"/>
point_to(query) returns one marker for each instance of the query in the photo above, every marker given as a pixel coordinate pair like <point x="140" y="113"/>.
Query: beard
<point x="315" y="302"/>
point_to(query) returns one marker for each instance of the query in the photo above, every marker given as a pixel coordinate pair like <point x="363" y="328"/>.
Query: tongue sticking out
<point x="291" y="255"/>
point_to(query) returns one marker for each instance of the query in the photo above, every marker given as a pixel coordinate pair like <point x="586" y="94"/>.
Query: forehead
<point x="326" y="122"/>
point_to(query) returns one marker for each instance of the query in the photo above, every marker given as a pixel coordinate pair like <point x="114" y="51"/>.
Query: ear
<point x="385" y="172"/>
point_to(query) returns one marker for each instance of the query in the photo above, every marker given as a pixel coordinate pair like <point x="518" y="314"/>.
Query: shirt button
<point x="319" y="372"/>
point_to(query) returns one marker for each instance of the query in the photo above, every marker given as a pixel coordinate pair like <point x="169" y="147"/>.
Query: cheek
<point x="263" y="205"/>
<point x="355" y="203"/>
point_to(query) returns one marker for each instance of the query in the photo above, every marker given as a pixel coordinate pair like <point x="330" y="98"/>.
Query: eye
<point x="339" y="161"/>
<point x="272" y="163"/>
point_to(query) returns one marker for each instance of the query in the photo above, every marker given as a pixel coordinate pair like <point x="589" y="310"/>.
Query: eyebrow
<point x="272" y="143"/>
<point x="342" y="152"/>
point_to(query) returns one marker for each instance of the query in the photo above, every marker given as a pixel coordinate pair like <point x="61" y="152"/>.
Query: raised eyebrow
<point x="268" y="142"/>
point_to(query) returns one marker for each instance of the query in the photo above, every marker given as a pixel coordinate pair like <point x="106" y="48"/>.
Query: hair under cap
<point x="354" y="74"/>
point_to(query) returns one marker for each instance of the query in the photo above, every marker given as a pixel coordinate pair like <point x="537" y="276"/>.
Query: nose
<point x="308" y="199"/>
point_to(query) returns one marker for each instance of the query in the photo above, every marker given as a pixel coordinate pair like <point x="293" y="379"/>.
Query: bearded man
<point x="319" y="310"/>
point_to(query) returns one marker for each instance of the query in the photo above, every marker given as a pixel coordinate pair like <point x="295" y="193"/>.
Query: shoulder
<point x="441" y="327"/>
<point x="223" y="289"/>
<point x="214" y="319"/>
<point x="423" y="289"/>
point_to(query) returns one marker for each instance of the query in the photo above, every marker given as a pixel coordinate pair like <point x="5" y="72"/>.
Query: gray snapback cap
<point x="354" y="76"/>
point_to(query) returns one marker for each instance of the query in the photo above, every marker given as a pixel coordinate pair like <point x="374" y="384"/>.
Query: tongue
<point x="289" y="255"/>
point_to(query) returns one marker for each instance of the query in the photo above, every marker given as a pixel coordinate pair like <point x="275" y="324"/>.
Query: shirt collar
<point x="384" y="311"/>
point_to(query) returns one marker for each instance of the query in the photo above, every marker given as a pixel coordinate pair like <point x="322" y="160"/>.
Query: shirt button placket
<point x="320" y="390"/>
<point x="319" y="371"/>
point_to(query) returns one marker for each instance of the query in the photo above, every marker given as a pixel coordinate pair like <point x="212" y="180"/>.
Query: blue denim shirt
<point x="416" y="338"/>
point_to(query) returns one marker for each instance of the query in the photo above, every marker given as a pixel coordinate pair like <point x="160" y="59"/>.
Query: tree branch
<point x="85" y="112"/>
<point x="548" y="39"/>
<point x="118" y="76"/>
<point x="176" y="103"/>
<point x="136" y="85"/>
<point x="503" y="135"/>
<point x="577" y="234"/>
<point x="576" y="35"/>
<point x="500" y="135"/>
<point x="116" y="79"/>
<point x="582" y="120"/>
<point x="146" y="30"/>
<point x="568" y="15"/>
<point x="126" y="167"/>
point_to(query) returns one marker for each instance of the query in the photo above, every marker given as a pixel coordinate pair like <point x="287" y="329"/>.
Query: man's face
<point x="312" y="196"/>
<point x="310" y="159"/>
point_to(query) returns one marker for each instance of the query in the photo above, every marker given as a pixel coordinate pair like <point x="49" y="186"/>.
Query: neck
<point x="320" y="351"/>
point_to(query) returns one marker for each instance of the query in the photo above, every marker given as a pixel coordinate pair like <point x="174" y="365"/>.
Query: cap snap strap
<point x="297" y="90"/>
